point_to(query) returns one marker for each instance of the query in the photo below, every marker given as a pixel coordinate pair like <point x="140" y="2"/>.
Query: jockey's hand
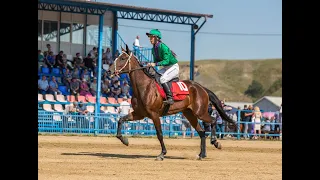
<point x="151" y="64"/>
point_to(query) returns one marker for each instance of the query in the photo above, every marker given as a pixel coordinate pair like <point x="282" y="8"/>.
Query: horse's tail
<point x="217" y="104"/>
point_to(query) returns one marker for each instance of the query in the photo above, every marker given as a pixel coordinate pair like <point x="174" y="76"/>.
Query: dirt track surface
<point x="105" y="158"/>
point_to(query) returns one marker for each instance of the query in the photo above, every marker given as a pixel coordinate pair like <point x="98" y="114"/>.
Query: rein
<point x="128" y="62"/>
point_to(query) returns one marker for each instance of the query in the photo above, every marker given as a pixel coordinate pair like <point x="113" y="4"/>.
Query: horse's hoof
<point x="200" y="157"/>
<point x="160" y="158"/>
<point x="125" y="141"/>
<point x="217" y="145"/>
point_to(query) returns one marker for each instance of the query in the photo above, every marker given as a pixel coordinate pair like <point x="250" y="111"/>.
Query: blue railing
<point x="174" y="125"/>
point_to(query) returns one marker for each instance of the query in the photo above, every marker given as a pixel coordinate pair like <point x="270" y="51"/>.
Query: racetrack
<point x="97" y="158"/>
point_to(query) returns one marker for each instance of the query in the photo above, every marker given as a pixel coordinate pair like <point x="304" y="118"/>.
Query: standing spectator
<point x="256" y="118"/>
<point x="125" y="90"/>
<point x="219" y="123"/>
<point x="53" y="87"/>
<point x="245" y="118"/>
<point x="124" y="107"/>
<point x="75" y="88"/>
<point x="49" y="48"/>
<point x="43" y="85"/>
<point x="136" y="47"/>
<point x="115" y="90"/>
<point x="280" y="118"/>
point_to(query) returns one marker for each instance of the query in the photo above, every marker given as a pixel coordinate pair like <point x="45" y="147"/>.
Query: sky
<point x="229" y="16"/>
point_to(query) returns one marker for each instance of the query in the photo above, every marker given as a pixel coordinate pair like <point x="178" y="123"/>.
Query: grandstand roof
<point x="275" y="100"/>
<point x="120" y="7"/>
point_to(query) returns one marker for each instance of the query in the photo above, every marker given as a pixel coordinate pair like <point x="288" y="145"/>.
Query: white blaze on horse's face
<point x="122" y="61"/>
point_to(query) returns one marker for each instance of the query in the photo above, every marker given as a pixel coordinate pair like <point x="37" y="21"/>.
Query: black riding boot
<point x="168" y="92"/>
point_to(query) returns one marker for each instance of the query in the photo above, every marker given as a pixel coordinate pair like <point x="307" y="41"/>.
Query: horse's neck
<point x="139" y="81"/>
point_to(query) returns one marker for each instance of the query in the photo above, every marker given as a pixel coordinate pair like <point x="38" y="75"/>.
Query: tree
<point x="255" y="89"/>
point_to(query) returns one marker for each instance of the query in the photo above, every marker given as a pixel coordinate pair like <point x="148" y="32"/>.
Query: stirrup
<point x="168" y="101"/>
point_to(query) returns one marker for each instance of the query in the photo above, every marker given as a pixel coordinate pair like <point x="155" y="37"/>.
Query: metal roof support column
<point x="193" y="38"/>
<point x="97" y="105"/>
<point x="115" y="33"/>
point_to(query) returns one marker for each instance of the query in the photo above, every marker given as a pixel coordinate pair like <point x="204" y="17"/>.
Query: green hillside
<point x="229" y="79"/>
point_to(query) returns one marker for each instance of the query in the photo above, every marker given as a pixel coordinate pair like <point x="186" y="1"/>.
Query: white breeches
<point x="168" y="73"/>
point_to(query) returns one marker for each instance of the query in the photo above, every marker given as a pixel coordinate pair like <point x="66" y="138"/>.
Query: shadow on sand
<point x="124" y="156"/>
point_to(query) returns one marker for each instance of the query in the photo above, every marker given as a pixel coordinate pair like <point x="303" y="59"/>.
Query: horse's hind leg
<point x="213" y="138"/>
<point x="194" y="122"/>
<point x="130" y="117"/>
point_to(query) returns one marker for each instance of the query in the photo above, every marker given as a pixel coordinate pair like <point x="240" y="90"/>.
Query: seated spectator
<point x="93" y="87"/>
<point x="82" y="109"/>
<point x="77" y="61"/>
<point x="59" y="61"/>
<point x="75" y="88"/>
<point x="43" y="85"/>
<point x="125" y="90"/>
<point x="115" y="90"/>
<point x="66" y="78"/>
<point x="75" y="73"/>
<point x="109" y="59"/>
<point x="40" y="60"/>
<point x="84" y="88"/>
<point x="89" y="63"/>
<point x="105" y="88"/>
<point x="50" y="61"/>
<point x="106" y="75"/>
<point x="93" y="52"/>
<point x="124" y="108"/>
<point x="266" y="128"/>
<point x="53" y="87"/>
<point x="116" y="55"/>
<point x="86" y="75"/>
<point x="115" y="78"/>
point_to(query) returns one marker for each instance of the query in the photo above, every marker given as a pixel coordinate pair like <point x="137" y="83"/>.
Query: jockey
<point x="163" y="56"/>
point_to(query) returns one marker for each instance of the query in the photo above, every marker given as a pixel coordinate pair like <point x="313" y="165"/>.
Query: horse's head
<point x="126" y="61"/>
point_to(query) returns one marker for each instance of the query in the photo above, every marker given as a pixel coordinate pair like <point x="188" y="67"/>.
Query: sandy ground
<point x="90" y="158"/>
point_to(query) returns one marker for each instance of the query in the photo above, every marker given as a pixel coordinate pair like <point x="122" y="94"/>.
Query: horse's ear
<point x="122" y="49"/>
<point x="128" y="50"/>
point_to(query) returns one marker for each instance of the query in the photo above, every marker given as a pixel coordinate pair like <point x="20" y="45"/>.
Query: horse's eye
<point x="123" y="59"/>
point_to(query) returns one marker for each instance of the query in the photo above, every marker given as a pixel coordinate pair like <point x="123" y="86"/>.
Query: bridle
<point x="128" y="62"/>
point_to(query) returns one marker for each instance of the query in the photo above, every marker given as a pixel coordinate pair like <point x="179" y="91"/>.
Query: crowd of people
<point x="79" y="75"/>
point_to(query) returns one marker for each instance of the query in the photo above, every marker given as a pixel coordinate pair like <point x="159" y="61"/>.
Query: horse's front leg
<point x="157" y="125"/>
<point x="130" y="117"/>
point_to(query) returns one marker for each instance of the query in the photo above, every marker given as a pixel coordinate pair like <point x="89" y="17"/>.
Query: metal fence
<point x="106" y="123"/>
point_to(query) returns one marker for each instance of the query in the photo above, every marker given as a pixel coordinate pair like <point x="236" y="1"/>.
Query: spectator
<point x="89" y="63"/>
<point x="266" y="126"/>
<point x="40" y="60"/>
<point x="84" y="88"/>
<point x="109" y="59"/>
<point x="256" y="118"/>
<point x="59" y="60"/>
<point x="125" y="90"/>
<point x="75" y="73"/>
<point x="115" y="90"/>
<point x="77" y="61"/>
<point x="107" y="75"/>
<point x="136" y="47"/>
<point x="43" y="85"/>
<point x="53" y="87"/>
<point x="93" y="52"/>
<point x="50" y="61"/>
<point x="280" y="118"/>
<point x="116" y="55"/>
<point x="66" y="78"/>
<point x="75" y="88"/>
<point x="245" y="118"/>
<point x="86" y="75"/>
<point x="93" y="87"/>
<point x="124" y="108"/>
<point x="219" y="123"/>
<point x="115" y="78"/>
<point x="82" y="109"/>
<point x="105" y="87"/>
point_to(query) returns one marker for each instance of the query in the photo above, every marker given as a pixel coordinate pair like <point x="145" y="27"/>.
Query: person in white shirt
<point x="124" y="107"/>
<point x="136" y="47"/>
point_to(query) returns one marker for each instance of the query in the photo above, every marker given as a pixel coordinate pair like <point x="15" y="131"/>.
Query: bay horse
<point x="147" y="102"/>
